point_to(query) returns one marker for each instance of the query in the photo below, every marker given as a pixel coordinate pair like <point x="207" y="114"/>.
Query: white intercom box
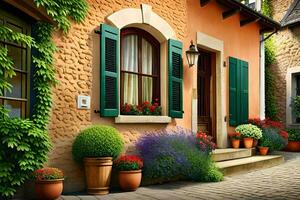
<point x="83" y="102"/>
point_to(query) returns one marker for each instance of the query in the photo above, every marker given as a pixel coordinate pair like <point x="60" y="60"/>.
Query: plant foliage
<point x="23" y="149"/>
<point x="296" y="106"/>
<point x="294" y="134"/>
<point x="174" y="154"/>
<point x="61" y="10"/>
<point x="48" y="173"/>
<point x="249" y="130"/>
<point x="97" y="141"/>
<point x="272" y="139"/>
<point x="128" y="163"/>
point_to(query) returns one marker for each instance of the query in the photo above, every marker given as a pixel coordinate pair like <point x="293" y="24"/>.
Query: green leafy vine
<point x="270" y="98"/>
<point x="24" y="142"/>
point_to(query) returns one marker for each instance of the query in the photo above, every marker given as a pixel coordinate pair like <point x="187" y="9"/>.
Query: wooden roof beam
<point x="246" y="21"/>
<point x="230" y="12"/>
<point x="204" y="2"/>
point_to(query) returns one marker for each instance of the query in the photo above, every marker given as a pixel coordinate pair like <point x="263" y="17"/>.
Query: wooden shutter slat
<point x="233" y="112"/>
<point x="175" y="72"/>
<point x="109" y="71"/>
<point x="244" y="92"/>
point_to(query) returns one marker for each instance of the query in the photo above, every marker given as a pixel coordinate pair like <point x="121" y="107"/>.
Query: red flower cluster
<point x="234" y="136"/>
<point x="205" y="142"/>
<point x="129" y="162"/>
<point x="266" y="123"/>
<point x="145" y="108"/>
<point x="48" y="173"/>
<point x="284" y="134"/>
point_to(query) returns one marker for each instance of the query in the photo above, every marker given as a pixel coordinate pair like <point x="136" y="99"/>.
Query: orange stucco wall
<point x="240" y="42"/>
<point x="77" y="66"/>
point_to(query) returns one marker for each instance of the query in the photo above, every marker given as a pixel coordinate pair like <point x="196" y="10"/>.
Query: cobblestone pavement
<point x="276" y="183"/>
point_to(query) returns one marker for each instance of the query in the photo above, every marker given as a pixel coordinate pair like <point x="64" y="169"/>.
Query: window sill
<point x="146" y="119"/>
<point x="294" y="125"/>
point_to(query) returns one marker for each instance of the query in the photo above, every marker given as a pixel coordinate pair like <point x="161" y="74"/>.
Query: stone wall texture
<point x="77" y="68"/>
<point x="287" y="55"/>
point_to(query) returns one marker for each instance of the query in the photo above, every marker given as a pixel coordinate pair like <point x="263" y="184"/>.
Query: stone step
<point x="231" y="154"/>
<point x="252" y="163"/>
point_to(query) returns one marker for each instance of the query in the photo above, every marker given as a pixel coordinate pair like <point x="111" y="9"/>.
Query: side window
<point x="17" y="100"/>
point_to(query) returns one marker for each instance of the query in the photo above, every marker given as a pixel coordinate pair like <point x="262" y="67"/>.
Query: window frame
<point x="142" y="34"/>
<point x="19" y="18"/>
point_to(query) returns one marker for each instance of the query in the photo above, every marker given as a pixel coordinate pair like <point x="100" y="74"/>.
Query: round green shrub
<point x="249" y="130"/>
<point x="272" y="139"/>
<point x="97" y="141"/>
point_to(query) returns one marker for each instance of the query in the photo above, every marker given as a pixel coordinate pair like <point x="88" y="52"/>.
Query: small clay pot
<point x="130" y="180"/>
<point x="235" y="144"/>
<point x="248" y="142"/>
<point x="49" y="189"/>
<point x="263" y="150"/>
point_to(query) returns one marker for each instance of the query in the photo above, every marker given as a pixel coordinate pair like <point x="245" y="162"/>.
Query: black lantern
<point x="192" y="55"/>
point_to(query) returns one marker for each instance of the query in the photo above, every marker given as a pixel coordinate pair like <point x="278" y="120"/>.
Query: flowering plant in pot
<point x="130" y="173"/>
<point x="48" y="183"/>
<point x="96" y="147"/>
<point x="235" y="138"/>
<point x="293" y="140"/>
<point x="146" y="108"/>
<point x="249" y="132"/>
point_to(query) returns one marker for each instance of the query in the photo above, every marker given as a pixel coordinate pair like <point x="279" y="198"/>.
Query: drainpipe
<point x="262" y="78"/>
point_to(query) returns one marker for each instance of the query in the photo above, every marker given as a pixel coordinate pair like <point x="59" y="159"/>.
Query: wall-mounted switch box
<point x="83" y="102"/>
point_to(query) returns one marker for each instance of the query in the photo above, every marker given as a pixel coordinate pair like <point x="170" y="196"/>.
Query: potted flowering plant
<point x="48" y="183"/>
<point x="205" y="142"/>
<point x="249" y="132"/>
<point x="130" y="173"/>
<point x="293" y="140"/>
<point x="235" y="139"/>
<point x="146" y="108"/>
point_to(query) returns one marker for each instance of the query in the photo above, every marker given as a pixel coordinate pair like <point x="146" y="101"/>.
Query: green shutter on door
<point x="238" y="92"/>
<point x="244" y="92"/>
<point x="109" y="71"/>
<point x="233" y="84"/>
<point x="175" y="72"/>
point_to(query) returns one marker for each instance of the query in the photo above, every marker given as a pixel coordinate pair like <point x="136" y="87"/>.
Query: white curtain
<point x="147" y="69"/>
<point x="130" y="63"/>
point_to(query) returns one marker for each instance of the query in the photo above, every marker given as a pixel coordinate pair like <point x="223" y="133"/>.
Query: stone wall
<point x="77" y="73"/>
<point x="287" y="55"/>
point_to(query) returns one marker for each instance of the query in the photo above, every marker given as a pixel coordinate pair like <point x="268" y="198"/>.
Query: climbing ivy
<point x="61" y="10"/>
<point x="24" y="142"/>
<point x="270" y="98"/>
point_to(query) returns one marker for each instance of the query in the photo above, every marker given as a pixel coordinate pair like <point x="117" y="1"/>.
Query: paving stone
<point x="276" y="183"/>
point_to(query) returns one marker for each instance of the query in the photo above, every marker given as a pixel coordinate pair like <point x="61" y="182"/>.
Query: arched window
<point x="140" y="67"/>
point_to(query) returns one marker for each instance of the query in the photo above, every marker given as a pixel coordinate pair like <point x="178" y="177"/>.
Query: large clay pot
<point x="248" y="142"/>
<point x="263" y="150"/>
<point x="49" y="189"/>
<point x="98" y="174"/>
<point x="130" y="180"/>
<point x="293" y="146"/>
<point x="235" y="144"/>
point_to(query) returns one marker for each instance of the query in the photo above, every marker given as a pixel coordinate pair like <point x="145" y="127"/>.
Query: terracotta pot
<point x="130" y="180"/>
<point x="293" y="146"/>
<point x="255" y="142"/>
<point x="263" y="150"/>
<point x="49" y="189"/>
<point x="235" y="144"/>
<point x="248" y="142"/>
<point x="98" y="174"/>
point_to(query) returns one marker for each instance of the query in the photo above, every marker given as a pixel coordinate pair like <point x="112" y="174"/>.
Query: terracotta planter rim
<point x="98" y="158"/>
<point x="50" y="181"/>
<point x="131" y="171"/>
<point x="263" y="147"/>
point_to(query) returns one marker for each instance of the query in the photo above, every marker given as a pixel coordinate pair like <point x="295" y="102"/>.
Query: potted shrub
<point x="235" y="139"/>
<point x="265" y="143"/>
<point x="249" y="132"/>
<point x="48" y="183"/>
<point x="130" y="173"/>
<point x="293" y="140"/>
<point x="96" y="147"/>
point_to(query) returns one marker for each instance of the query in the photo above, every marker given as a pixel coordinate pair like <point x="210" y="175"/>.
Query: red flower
<point x="284" y="134"/>
<point x="152" y="109"/>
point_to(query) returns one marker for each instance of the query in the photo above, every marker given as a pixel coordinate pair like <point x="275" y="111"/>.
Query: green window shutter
<point x="175" y="66"/>
<point x="233" y="92"/>
<point x="109" y="71"/>
<point x="244" y="92"/>
<point x="238" y="92"/>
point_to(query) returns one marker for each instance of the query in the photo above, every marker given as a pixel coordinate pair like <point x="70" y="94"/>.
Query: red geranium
<point x="284" y="134"/>
<point x="129" y="162"/>
<point x="205" y="142"/>
<point x="234" y="135"/>
<point x="48" y="173"/>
